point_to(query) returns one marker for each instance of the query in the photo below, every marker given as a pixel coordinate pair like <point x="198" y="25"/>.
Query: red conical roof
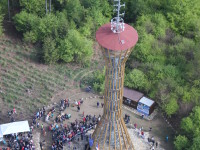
<point x="116" y="41"/>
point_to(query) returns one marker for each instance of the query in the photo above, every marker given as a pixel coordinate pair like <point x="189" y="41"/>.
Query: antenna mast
<point x="117" y="23"/>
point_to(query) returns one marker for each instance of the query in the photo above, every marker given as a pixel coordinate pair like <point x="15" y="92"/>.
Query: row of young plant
<point x="43" y="83"/>
<point x="31" y="72"/>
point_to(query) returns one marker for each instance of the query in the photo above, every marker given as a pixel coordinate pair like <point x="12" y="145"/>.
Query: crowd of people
<point x="17" y="141"/>
<point x="61" y="132"/>
<point x="21" y="141"/>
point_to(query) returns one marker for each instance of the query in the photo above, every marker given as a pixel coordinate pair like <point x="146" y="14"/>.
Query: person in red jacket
<point x="84" y="119"/>
<point x="14" y="111"/>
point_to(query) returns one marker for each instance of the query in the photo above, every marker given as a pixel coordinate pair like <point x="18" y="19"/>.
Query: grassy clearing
<point x="25" y="83"/>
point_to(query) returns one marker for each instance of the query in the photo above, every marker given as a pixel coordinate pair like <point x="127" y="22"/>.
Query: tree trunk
<point x="12" y="4"/>
<point x="9" y="10"/>
<point x="50" y="6"/>
<point x="46" y="6"/>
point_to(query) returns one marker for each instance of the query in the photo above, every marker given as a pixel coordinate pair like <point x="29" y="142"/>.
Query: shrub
<point x="51" y="54"/>
<point x="137" y="79"/>
<point x="171" y="107"/>
<point x="181" y="142"/>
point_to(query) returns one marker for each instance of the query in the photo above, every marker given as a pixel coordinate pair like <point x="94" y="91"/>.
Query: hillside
<point x="26" y="84"/>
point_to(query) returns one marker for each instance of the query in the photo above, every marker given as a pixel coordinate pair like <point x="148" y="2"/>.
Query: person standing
<point x="41" y="146"/>
<point x="97" y="104"/>
<point x="43" y="109"/>
<point x="38" y="124"/>
<point x="79" y="103"/>
<point x="78" y="108"/>
<point x="102" y="105"/>
<point x="156" y="144"/>
<point x="14" y="111"/>
<point x="69" y="144"/>
<point x="42" y="126"/>
<point x="148" y="140"/>
<point x="44" y="132"/>
<point x="84" y="119"/>
<point x="152" y="148"/>
<point x="52" y="115"/>
<point x="135" y="125"/>
<point x="38" y="114"/>
<point x="167" y="138"/>
<point x="153" y="140"/>
<point x="142" y="116"/>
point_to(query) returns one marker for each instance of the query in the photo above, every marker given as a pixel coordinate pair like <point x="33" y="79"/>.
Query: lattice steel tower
<point x="116" y="40"/>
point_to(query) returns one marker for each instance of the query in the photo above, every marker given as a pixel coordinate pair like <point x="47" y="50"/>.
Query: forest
<point x="164" y="64"/>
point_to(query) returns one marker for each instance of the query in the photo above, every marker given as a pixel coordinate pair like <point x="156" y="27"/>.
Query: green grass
<point x="18" y="75"/>
<point x="80" y="74"/>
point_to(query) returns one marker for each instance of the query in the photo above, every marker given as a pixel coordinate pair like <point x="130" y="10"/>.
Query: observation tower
<point x="116" y="40"/>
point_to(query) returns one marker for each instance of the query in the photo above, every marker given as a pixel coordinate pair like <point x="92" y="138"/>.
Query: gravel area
<point x="140" y="143"/>
<point x="89" y="107"/>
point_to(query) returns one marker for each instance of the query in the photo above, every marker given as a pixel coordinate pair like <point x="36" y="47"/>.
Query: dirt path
<point x="36" y="140"/>
<point x="140" y="143"/>
<point x="159" y="128"/>
<point x="159" y="131"/>
<point x="88" y="107"/>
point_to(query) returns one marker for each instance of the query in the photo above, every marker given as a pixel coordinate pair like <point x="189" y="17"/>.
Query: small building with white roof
<point x="146" y="106"/>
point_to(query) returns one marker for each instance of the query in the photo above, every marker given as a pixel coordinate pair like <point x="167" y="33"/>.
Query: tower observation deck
<point x="116" y="40"/>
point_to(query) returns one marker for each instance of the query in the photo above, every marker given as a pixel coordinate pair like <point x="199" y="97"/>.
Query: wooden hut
<point x="131" y="97"/>
<point x="146" y="106"/>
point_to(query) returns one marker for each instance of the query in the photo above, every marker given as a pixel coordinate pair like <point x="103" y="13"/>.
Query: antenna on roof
<point x="117" y="23"/>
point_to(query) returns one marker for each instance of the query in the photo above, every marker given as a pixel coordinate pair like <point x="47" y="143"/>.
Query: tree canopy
<point x="66" y="32"/>
<point x="190" y="129"/>
<point x="167" y="50"/>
